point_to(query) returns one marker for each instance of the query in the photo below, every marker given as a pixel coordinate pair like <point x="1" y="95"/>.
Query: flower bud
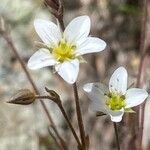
<point x="23" y="97"/>
<point x="52" y="4"/>
<point x="54" y="96"/>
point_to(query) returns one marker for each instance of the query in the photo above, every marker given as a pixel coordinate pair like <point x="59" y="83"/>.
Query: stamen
<point x="115" y="101"/>
<point x="64" y="51"/>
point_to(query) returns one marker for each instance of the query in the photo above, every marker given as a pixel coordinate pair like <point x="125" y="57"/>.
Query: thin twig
<point x="10" y="43"/>
<point x="63" y="143"/>
<point x="60" y="14"/>
<point x="51" y="4"/>
<point x="56" y="8"/>
<point x="79" y="115"/>
<point x="65" y="116"/>
<point x="54" y="138"/>
<point x="141" y="71"/>
<point x="70" y="125"/>
<point x="116" y="134"/>
<point x="142" y="44"/>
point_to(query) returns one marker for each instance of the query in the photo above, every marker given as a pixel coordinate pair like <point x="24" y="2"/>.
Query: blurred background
<point x="118" y="22"/>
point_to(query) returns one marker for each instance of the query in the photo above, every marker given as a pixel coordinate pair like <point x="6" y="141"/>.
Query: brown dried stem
<point x="51" y="4"/>
<point x="141" y="71"/>
<point x="57" y="10"/>
<point x="55" y="140"/>
<point x="79" y="116"/>
<point x="59" y="104"/>
<point x="116" y="134"/>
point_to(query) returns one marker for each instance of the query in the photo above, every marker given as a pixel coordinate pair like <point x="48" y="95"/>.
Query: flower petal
<point x="78" y="29"/>
<point x="47" y="31"/>
<point x="96" y="92"/>
<point x="68" y="70"/>
<point x="118" y="81"/>
<point x="91" y="45"/>
<point x="41" y="58"/>
<point x="116" y="116"/>
<point x="135" y="96"/>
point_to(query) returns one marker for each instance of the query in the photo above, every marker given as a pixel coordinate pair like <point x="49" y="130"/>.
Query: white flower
<point x="115" y="99"/>
<point x="64" y="50"/>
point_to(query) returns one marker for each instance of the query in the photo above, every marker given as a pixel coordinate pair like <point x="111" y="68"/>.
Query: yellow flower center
<point x="64" y="51"/>
<point x="115" y="101"/>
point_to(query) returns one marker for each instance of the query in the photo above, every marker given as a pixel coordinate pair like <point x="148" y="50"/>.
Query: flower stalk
<point x="55" y="140"/>
<point x="79" y="115"/>
<point x="78" y="109"/>
<point x="141" y="69"/>
<point x="116" y="134"/>
<point x="55" y="98"/>
<point x="70" y="125"/>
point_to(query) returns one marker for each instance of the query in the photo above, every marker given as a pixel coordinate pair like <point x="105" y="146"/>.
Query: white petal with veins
<point x="91" y="45"/>
<point x="47" y="31"/>
<point x="135" y="96"/>
<point x="96" y="92"/>
<point x="77" y="30"/>
<point x="41" y="58"/>
<point x="118" y="81"/>
<point x="68" y="70"/>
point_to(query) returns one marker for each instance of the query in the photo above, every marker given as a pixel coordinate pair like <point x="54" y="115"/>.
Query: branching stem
<point x="58" y="102"/>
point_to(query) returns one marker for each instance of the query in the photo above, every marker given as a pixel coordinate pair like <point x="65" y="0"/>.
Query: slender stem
<point x="63" y="143"/>
<point x="78" y="110"/>
<point x="54" y="138"/>
<point x="143" y="50"/>
<point x="65" y="116"/>
<point x="79" y="115"/>
<point x="70" y="125"/>
<point x="116" y="133"/>
<point x="52" y="4"/>
<point x="13" y="48"/>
